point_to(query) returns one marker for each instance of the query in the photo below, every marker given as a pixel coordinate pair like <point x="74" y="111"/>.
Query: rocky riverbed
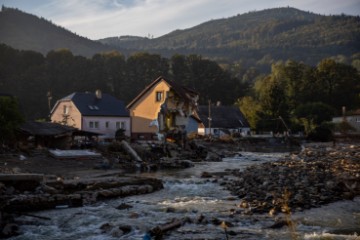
<point x="318" y="175"/>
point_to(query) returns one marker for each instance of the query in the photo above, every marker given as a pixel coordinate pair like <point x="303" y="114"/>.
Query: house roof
<point x="89" y="105"/>
<point x="223" y="117"/>
<point x="183" y="92"/>
<point x="45" y="128"/>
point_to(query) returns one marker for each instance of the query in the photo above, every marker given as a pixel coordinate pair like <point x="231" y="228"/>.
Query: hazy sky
<point x="97" y="19"/>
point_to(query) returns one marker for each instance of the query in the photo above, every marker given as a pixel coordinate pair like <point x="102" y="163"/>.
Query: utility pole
<point x="209" y="118"/>
<point x="343" y="109"/>
<point x="49" y="96"/>
<point x="282" y="120"/>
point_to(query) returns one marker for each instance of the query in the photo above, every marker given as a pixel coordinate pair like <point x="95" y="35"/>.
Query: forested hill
<point x="259" y="37"/>
<point x="28" y="32"/>
<point x="255" y="39"/>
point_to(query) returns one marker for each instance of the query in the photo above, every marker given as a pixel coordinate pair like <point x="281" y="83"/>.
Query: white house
<point x="93" y="112"/>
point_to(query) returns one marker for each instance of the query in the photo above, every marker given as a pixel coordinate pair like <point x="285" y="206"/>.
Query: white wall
<point x="205" y="131"/>
<point x="110" y="131"/>
<point x="352" y="120"/>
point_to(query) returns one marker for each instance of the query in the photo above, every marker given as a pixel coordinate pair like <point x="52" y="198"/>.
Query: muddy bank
<point x="37" y="181"/>
<point x="71" y="193"/>
<point x="19" y="195"/>
<point x="317" y="175"/>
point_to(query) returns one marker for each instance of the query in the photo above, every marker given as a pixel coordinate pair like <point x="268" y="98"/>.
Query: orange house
<point x="161" y="107"/>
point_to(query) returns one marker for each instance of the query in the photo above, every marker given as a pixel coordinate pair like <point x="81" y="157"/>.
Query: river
<point x="188" y="196"/>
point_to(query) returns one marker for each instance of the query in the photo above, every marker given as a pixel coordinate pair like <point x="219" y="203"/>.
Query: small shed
<point x="46" y="134"/>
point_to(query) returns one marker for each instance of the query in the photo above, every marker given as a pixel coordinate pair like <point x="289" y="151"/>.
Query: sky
<point x="96" y="19"/>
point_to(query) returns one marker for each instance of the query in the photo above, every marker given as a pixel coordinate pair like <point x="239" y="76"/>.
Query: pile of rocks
<point x="316" y="176"/>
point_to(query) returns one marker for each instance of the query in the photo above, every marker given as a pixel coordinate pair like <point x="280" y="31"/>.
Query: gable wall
<point x="73" y="115"/>
<point x="146" y="109"/>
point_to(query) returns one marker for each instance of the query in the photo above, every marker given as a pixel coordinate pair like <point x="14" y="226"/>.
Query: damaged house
<point x="162" y="108"/>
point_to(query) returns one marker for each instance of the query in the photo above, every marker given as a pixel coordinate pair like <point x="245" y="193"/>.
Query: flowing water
<point x="186" y="195"/>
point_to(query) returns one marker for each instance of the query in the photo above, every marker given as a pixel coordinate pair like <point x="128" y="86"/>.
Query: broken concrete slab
<point x="73" y="154"/>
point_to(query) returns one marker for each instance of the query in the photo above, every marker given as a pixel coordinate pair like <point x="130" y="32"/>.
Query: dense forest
<point x="301" y="94"/>
<point x="30" y="76"/>
<point x="304" y="96"/>
<point x="259" y="38"/>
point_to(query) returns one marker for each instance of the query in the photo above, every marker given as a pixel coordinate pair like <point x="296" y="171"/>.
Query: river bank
<point x="312" y="178"/>
<point x="318" y="175"/>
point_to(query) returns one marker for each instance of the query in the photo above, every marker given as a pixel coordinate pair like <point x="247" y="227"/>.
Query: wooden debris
<point x="130" y="151"/>
<point x="159" y="231"/>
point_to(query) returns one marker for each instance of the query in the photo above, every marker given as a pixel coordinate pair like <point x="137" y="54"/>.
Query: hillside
<point x="28" y="32"/>
<point x="258" y="37"/>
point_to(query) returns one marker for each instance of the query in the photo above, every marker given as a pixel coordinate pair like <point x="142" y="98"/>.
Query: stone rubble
<point x="317" y="175"/>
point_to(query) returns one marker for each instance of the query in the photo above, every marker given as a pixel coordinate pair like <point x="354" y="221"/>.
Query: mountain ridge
<point x="257" y="38"/>
<point x="259" y="33"/>
<point x="25" y="31"/>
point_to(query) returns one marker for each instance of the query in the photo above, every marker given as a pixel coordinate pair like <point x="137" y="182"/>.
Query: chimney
<point x="98" y="94"/>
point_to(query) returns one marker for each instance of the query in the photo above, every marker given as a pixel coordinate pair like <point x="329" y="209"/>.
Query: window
<point x="66" y="109"/>
<point x="107" y="124"/>
<point x="93" y="124"/>
<point x="159" y="96"/>
<point x="120" y="125"/>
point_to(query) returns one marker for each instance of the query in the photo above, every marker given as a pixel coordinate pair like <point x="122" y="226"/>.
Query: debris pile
<point x="63" y="194"/>
<point x="317" y="175"/>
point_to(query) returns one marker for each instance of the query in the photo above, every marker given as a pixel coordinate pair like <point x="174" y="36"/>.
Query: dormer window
<point x="93" y="107"/>
<point x="159" y="96"/>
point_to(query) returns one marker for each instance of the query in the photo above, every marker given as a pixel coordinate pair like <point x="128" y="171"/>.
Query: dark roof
<point x="183" y="92"/>
<point x="223" y="117"/>
<point x="45" y="129"/>
<point x="89" y="105"/>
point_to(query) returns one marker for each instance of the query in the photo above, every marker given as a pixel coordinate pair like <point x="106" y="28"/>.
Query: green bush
<point x="320" y="134"/>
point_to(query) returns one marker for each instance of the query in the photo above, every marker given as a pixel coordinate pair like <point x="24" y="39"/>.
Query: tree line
<point x="302" y="95"/>
<point x="38" y="81"/>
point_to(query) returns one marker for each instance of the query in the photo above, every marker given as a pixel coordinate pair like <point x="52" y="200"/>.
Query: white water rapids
<point x="185" y="194"/>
